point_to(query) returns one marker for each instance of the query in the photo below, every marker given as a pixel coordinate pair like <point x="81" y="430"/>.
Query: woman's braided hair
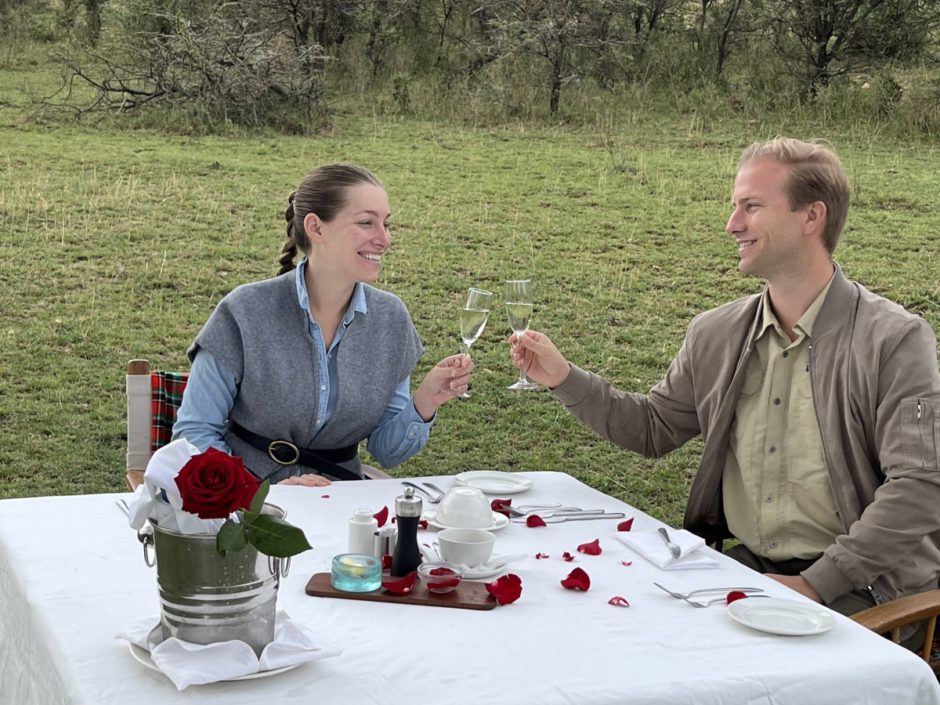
<point x="323" y="191"/>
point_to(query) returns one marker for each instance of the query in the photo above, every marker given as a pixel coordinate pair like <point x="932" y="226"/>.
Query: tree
<point x="555" y="30"/>
<point x="836" y="36"/>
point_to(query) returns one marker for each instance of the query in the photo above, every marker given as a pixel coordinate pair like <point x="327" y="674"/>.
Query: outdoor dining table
<point x="72" y="576"/>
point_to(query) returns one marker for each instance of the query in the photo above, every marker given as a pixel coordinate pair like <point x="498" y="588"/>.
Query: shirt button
<point x="773" y="544"/>
<point x="318" y="420"/>
<point x="772" y="449"/>
<point x="769" y="499"/>
<point x="776" y="402"/>
<point x="322" y="387"/>
<point x="786" y="353"/>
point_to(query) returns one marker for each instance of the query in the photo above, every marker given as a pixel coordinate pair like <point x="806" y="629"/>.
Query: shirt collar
<point x="804" y="325"/>
<point x="357" y="304"/>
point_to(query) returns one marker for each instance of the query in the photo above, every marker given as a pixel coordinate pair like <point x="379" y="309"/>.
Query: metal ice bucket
<point x="206" y="597"/>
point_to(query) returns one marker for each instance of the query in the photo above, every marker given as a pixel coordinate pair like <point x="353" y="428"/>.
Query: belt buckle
<point x="275" y="446"/>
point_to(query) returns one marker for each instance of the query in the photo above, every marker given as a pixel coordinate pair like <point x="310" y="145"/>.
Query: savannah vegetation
<point x="147" y="151"/>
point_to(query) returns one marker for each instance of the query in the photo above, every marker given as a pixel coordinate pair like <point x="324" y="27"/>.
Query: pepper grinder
<point x="407" y="555"/>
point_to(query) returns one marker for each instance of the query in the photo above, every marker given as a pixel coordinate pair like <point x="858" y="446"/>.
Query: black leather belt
<point x="323" y="461"/>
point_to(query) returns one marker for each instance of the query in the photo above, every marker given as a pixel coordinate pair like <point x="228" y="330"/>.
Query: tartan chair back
<point x="153" y="398"/>
<point x="166" y="395"/>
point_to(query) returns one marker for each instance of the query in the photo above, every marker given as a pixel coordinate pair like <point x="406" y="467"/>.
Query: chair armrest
<point x="904" y="610"/>
<point x="134" y="479"/>
<point x="373" y="473"/>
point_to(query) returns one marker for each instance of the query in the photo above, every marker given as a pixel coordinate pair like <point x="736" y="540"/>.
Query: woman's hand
<point x="537" y="355"/>
<point x="447" y="379"/>
<point x="308" y="480"/>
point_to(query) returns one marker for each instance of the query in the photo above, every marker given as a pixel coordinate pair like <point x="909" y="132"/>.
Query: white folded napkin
<point x="188" y="664"/>
<point x="651" y="546"/>
<point x="158" y="498"/>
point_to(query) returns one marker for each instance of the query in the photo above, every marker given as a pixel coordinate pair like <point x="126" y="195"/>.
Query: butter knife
<point x="673" y="548"/>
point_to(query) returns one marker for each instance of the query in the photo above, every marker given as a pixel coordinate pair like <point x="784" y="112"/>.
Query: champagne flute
<point x="519" y="294"/>
<point x="473" y="319"/>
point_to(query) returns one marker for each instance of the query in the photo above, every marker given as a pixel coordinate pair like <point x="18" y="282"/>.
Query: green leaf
<point x="231" y="537"/>
<point x="275" y="537"/>
<point x="257" y="502"/>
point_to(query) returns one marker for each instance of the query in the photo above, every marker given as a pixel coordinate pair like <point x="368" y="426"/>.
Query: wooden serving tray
<point x="467" y="595"/>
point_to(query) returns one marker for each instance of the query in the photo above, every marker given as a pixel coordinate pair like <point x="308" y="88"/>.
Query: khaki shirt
<point x="776" y="491"/>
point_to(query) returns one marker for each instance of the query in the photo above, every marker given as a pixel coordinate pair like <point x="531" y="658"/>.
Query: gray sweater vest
<point x="260" y="332"/>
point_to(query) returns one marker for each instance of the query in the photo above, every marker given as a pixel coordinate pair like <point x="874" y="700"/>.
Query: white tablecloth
<point x="72" y="574"/>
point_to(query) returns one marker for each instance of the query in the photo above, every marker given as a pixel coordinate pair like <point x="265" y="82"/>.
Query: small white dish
<point x="499" y="521"/>
<point x="142" y="656"/>
<point x="494" y="482"/>
<point x="782" y="617"/>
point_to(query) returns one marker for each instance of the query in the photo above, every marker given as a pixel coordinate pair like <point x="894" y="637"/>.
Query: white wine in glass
<point x="473" y="319"/>
<point x="519" y="296"/>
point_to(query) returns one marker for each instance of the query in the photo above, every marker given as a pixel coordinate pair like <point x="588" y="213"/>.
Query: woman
<point x="291" y="373"/>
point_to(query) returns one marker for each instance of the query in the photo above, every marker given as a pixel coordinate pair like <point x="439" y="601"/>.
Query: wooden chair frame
<point x="890" y="617"/>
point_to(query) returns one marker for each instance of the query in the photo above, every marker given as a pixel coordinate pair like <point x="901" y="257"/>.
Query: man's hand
<point x="537" y="355"/>
<point x="798" y="583"/>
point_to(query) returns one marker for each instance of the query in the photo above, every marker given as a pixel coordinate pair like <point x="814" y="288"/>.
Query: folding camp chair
<point x="152" y="400"/>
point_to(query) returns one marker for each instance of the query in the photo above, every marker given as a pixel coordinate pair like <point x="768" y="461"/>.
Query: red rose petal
<point x="626" y="563"/>
<point x="400" y="586"/>
<point x="381" y="516"/>
<point x="506" y="589"/>
<point x="618" y="601"/>
<point x="577" y="580"/>
<point x="539" y="556"/>
<point x="324" y="496"/>
<point x="625" y="525"/>
<point x="534" y="520"/>
<point x="387" y="562"/>
<point x="423" y="523"/>
<point x="567" y="557"/>
<point x="441" y="571"/>
<point x="735" y="595"/>
<point x="499" y="505"/>
<point x="592" y="549"/>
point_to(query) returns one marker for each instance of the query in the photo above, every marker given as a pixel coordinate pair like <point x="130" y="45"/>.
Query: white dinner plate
<point x="494" y="481"/>
<point x="784" y="617"/>
<point x="499" y="521"/>
<point x="142" y="656"/>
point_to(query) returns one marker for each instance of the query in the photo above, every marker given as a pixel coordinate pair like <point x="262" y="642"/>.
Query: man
<point x="818" y="401"/>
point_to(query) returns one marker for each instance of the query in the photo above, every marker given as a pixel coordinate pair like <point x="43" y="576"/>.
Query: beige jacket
<point x="876" y="390"/>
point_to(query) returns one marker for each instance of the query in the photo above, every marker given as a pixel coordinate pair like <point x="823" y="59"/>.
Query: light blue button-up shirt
<point x="211" y="391"/>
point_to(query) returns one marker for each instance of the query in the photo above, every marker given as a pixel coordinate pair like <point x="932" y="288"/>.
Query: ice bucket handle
<point x="145" y="536"/>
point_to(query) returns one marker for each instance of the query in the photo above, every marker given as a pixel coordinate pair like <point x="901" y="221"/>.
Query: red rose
<point x="214" y="484"/>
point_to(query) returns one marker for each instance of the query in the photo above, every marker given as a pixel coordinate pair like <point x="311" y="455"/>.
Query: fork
<point x="686" y="597"/>
<point x="674" y="549"/>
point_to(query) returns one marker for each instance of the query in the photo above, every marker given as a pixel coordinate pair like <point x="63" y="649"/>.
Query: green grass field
<point x="117" y="244"/>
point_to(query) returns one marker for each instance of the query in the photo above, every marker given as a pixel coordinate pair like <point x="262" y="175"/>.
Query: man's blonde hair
<point x="816" y="174"/>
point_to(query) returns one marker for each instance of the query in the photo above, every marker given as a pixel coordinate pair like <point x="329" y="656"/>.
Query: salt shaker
<point x="407" y="555"/>
<point x="362" y="526"/>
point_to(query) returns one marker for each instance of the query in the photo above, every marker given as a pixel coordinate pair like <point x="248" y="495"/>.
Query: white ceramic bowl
<point x="468" y="547"/>
<point x="464" y="508"/>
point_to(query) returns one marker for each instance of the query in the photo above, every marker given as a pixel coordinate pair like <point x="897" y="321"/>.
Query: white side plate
<point x="784" y="617"/>
<point x="142" y="656"/>
<point x="494" y="481"/>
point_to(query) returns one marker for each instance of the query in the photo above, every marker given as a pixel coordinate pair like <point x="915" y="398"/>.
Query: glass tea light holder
<point x="356" y="572"/>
